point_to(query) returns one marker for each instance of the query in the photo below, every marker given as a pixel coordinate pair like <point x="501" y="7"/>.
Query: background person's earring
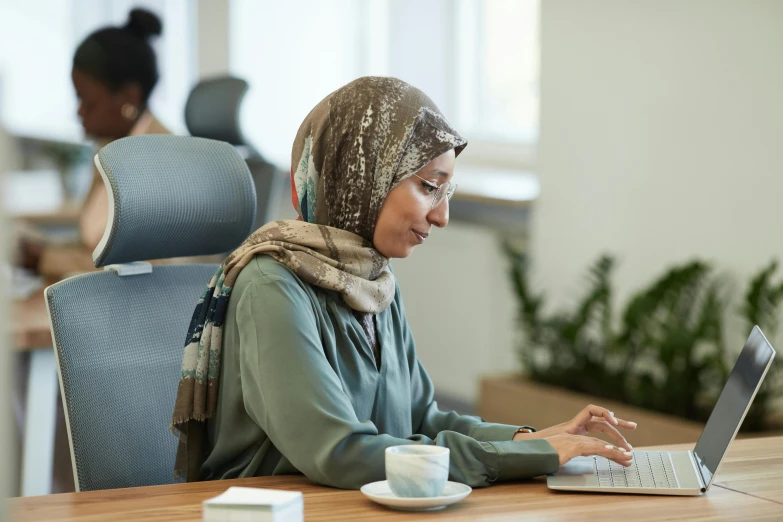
<point x="129" y="111"/>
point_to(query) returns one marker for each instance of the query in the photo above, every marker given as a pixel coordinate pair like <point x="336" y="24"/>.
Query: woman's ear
<point x="130" y="94"/>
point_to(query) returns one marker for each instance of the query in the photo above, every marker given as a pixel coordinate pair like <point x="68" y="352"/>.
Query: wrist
<point x="551" y="431"/>
<point x="522" y="434"/>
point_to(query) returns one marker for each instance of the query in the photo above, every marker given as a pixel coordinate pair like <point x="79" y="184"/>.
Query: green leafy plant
<point x="667" y="351"/>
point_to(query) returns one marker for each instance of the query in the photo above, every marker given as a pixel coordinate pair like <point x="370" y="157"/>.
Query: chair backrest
<point x="119" y="349"/>
<point x="119" y="334"/>
<point x="213" y="111"/>
<point x="173" y="196"/>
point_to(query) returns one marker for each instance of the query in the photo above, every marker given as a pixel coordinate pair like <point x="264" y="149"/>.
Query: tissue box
<point x="254" y="505"/>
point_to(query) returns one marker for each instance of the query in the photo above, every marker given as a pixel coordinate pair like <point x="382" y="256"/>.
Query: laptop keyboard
<point x="649" y="469"/>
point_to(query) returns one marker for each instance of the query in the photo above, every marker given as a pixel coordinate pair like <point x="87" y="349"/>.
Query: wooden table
<point x="749" y="487"/>
<point x="67" y="214"/>
<point x="59" y="262"/>
<point x="757" y="469"/>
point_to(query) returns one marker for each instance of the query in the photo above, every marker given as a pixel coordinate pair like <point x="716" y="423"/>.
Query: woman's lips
<point x="420" y="237"/>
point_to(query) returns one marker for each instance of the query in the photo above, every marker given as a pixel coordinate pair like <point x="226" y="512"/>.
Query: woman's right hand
<point x="569" y="446"/>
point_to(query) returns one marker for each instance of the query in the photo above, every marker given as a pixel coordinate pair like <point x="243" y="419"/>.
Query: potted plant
<point x="662" y="363"/>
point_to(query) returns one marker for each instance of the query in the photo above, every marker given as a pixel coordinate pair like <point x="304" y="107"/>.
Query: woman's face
<point x="100" y="109"/>
<point x="407" y="214"/>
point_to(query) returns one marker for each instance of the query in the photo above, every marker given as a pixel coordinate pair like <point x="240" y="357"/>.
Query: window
<point x="498" y="69"/>
<point x="36" y="96"/>
<point x="293" y="54"/>
<point x="477" y="59"/>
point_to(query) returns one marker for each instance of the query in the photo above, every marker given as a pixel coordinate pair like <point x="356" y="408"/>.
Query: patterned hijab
<point x="353" y="148"/>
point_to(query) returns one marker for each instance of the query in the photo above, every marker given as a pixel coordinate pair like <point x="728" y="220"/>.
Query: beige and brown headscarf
<point x="352" y="149"/>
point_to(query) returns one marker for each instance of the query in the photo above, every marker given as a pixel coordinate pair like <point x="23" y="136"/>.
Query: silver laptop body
<point x="679" y="472"/>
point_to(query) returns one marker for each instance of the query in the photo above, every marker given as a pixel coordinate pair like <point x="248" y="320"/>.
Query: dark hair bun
<point x="143" y="24"/>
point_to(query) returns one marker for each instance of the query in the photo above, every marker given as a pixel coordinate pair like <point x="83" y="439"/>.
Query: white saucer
<point x="381" y="493"/>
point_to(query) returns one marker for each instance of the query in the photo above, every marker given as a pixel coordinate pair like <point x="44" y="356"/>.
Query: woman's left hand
<point x="592" y="419"/>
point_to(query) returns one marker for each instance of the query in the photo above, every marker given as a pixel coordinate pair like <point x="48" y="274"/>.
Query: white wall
<point x="212" y="36"/>
<point x="662" y="126"/>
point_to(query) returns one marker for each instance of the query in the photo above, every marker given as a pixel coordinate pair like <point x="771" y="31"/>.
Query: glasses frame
<point x="443" y="192"/>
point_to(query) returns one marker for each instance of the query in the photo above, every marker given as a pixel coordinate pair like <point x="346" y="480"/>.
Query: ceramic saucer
<point x="381" y="493"/>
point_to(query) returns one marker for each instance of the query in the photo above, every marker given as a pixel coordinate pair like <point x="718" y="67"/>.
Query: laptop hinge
<point x="129" y="269"/>
<point x="699" y="475"/>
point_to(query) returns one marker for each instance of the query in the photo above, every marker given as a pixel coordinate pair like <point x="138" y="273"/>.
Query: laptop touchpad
<point x="577" y="466"/>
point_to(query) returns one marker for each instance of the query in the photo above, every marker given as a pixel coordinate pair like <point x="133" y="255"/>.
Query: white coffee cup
<point x="416" y="470"/>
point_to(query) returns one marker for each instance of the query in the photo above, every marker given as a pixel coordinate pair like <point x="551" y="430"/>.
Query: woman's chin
<point x="406" y="252"/>
<point x="398" y="253"/>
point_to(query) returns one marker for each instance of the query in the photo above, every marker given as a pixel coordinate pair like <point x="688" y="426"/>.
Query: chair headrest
<point x="212" y="109"/>
<point x="173" y="196"/>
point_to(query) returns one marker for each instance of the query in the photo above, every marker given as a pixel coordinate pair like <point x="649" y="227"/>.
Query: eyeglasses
<point x="442" y="192"/>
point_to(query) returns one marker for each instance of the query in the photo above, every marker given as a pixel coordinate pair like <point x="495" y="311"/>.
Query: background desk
<point x="753" y="471"/>
<point x="33" y="341"/>
<point x="45" y="454"/>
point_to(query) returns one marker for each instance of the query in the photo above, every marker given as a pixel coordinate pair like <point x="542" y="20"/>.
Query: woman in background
<point x="114" y="74"/>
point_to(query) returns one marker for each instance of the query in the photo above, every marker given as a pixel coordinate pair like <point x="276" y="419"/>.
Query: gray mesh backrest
<point x="173" y="196"/>
<point x="119" y="343"/>
<point x="212" y="109"/>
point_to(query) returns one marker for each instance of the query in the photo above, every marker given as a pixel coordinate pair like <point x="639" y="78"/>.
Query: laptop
<point x="679" y="472"/>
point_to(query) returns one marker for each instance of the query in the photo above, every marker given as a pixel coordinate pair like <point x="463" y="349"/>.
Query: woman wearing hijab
<point x="300" y="358"/>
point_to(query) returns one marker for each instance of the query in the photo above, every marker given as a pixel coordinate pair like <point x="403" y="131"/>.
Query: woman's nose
<point x="439" y="216"/>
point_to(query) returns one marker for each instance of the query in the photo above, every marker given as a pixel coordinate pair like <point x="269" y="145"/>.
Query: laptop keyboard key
<point x="650" y="469"/>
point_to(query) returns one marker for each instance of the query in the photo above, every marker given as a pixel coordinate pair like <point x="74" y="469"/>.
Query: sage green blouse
<point x="300" y="393"/>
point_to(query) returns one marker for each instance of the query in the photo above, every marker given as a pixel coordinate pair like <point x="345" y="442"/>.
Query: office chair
<point x="119" y="334"/>
<point x="212" y="111"/>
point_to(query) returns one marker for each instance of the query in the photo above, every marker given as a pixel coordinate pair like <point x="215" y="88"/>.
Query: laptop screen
<point x="733" y="403"/>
